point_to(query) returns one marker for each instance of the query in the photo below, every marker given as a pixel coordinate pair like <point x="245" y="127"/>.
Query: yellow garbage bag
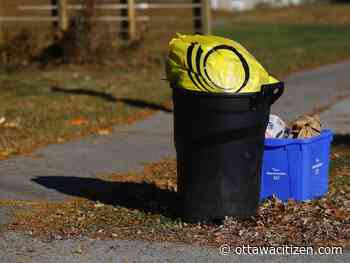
<point x="214" y="64"/>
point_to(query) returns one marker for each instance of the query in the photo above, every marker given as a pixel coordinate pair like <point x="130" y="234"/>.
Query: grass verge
<point x="41" y="107"/>
<point x="139" y="206"/>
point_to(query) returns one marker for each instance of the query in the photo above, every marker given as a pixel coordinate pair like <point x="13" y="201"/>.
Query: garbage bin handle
<point x="272" y="92"/>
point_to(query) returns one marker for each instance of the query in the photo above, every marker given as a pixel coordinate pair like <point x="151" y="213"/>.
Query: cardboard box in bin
<point x="296" y="168"/>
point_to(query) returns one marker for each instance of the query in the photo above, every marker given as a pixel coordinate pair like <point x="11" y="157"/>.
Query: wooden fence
<point x="128" y="18"/>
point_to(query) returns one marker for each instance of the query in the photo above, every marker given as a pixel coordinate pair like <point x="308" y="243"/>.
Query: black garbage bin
<point x="219" y="140"/>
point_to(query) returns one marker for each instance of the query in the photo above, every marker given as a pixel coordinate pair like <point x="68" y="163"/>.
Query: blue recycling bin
<point x="296" y="168"/>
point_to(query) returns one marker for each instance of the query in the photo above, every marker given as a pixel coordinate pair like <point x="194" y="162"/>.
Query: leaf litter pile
<point x="140" y="206"/>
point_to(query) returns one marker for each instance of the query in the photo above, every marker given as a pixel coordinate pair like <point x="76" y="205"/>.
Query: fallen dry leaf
<point x="104" y="132"/>
<point x="78" y="121"/>
<point x="2" y="120"/>
<point x="139" y="205"/>
<point x="11" y="124"/>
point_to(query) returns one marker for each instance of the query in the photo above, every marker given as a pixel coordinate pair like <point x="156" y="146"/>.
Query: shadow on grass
<point x="86" y="92"/>
<point x="110" y="98"/>
<point x="341" y="140"/>
<point x="341" y="1"/>
<point x="141" y="196"/>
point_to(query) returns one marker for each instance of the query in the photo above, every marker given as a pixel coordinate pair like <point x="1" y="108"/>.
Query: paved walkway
<point x="49" y="172"/>
<point x="129" y="147"/>
<point x="313" y="89"/>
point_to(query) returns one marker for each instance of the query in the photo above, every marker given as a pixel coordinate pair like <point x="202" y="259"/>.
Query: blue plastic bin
<point x="296" y="168"/>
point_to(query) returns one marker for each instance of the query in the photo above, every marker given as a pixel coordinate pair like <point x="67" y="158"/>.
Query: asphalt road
<point x="21" y="248"/>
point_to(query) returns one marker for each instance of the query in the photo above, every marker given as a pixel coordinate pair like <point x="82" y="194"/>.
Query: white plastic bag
<point x="275" y="128"/>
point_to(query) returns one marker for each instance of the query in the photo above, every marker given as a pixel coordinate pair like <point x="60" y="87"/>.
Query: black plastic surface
<point x="219" y="142"/>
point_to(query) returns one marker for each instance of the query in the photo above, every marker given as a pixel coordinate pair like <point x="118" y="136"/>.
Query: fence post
<point x="63" y="19"/>
<point x="2" y="28"/>
<point x="128" y="24"/>
<point x="132" y="19"/>
<point x="202" y="16"/>
<point x="206" y="16"/>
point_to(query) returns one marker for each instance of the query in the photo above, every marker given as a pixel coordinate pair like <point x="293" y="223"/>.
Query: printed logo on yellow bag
<point x="207" y="78"/>
<point x="214" y="64"/>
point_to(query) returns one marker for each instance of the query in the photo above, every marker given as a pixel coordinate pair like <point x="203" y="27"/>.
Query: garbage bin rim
<point x="274" y="142"/>
<point x="216" y="94"/>
<point x="278" y="85"/>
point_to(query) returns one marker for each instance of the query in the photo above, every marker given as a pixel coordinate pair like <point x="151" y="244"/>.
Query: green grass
<point x="284" y="48"/>
<point x="86" y="101"/>
<point x="320" y="14"/>
<point x="290" y="39"/>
